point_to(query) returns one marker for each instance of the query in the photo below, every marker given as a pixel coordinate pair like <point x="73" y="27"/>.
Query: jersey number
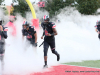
<point x="46" y="32"/>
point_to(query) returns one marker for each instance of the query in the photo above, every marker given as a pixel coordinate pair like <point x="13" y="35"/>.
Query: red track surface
<point x="70" y="70"/>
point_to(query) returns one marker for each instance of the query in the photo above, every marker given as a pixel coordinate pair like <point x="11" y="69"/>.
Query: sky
<point x="8" y="2"/>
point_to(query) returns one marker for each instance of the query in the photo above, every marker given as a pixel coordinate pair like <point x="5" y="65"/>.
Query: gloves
<point x="35" y="44"/>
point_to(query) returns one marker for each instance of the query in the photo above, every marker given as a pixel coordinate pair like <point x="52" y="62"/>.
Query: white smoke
<point x="39" y="13"/>
<point x="76" y="41"/>
<point x="18" y="58"/>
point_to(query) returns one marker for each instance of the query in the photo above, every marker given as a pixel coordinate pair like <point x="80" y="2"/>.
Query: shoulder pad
<point x="5" y="28"/>
<point x="32" y="26"/>
<point x="53" y="25"/>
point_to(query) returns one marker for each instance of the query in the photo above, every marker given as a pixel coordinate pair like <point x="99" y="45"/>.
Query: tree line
<point x="87" y="7"/>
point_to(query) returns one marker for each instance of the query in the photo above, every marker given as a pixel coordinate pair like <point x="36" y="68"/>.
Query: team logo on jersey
<point x="6" y="29"/>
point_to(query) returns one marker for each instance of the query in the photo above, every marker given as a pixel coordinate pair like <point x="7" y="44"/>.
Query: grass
<point x="90" y="63"/>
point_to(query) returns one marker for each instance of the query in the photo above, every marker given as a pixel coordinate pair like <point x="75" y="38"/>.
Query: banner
<point x="41" y="4"/>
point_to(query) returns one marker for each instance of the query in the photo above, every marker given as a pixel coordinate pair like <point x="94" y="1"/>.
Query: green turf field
<point x="90" y="63"/>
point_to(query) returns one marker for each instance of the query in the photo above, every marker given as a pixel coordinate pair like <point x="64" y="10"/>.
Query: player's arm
<point x="43" y="35"/>
<point x="35" y="37"/>
<point x="54" y="31"/>
<point x="96" y="30"/>
<point x="4" y="34"/>
<point x="4" y="31"/>
<point x="43" y="31"/>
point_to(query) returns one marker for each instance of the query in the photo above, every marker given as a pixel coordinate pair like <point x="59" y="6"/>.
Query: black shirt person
<point x="49" y="39"/>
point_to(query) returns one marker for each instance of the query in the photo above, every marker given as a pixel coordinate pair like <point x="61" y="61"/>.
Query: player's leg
<point x="52" y="46"/>
<point x="46" y="46"/>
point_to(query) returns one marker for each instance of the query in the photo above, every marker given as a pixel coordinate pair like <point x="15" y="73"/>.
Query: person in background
<point x="3" y="36"/>
<point x="98" y="28"/>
